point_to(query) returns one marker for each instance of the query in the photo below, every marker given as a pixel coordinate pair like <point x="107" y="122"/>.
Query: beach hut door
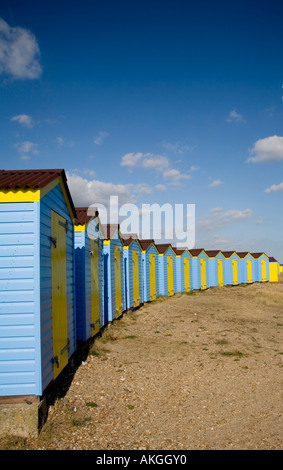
<point x="170" y="277"/>
<point x="187" y="274"/>
<point x="136" y="283"/>
<point x="118" y="283"/>
<point x="263" y="270"/>
<point x="235" y="271"/>
<point x="94" y="286"/>
<point x="203" y="273"/>
<point x="59" y="293"/>
<point x="152" y="276"/>
<point x="249" y="270"/>
<point x="220" y="273"/>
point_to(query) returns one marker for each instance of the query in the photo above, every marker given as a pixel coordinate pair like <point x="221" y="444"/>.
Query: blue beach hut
<point x="199" y="272"/>
<point x="166" y="269"/>
<point x="232" y="268"/>
<point x="183" y="261"/>
<point x="247" y="267"/>
<point x="150" y="276"/>
<point x="132" y="253"/>
<point x="37" y="292"/>
<point x="261" y="265"/>
<point x="89" y="274"/>
<point x="113" y="267"/>
<point x="215" y="267"/>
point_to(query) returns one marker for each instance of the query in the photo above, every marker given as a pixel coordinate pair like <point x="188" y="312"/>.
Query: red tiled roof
<point x="212" y="253"/>
<point x="109" y="230"/>
<point x="28" y="179"/>
<point x="163" y="247"/>
<point x="196" y="251"/>
<point x="145" y="244"/>
<point x="84" y="215"/>
<point x="242" y="254"/>
<point x="32" y="179"/>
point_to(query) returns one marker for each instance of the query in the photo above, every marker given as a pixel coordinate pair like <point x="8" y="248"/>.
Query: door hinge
<point x="54" y="241"/>
<point x="55" y="360"/>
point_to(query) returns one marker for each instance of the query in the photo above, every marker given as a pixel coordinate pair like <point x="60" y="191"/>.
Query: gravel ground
<point x="191" y="372"/>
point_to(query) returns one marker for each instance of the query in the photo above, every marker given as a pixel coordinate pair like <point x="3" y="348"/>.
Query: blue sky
<point x="155" y="101"/>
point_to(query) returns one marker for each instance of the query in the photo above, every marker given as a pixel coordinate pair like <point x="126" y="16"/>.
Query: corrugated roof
<point x="84" y="215"/>
<point x="242" y="254"/>
<point x="212" y="253"/>
<point x="227" y="254"/>
<point x="109" y="230"/>
<point x="33" y="179"/>
<point x="257" y="255"/>
<point x="28" y="179"/>
<point x="145" y="244"/>
<point x="161" y="248"/>
<point x="196" y="251"/>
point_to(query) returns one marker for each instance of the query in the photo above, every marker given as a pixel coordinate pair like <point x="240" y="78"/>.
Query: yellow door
<point x="170" y="276"/>
<point x="136" y="280"/>
<point x="59" y="293"/>
<point x="273" y="272"/>
<point x="94" y="286"/>
<point x="249" y="271"/>
<point x="203" y="273"/>
<point x="152" y="276"/>
<point x="235" y="271"/>
<point x="118" y="281"/>
<point x="220" y="272"/>
<point x="263" y="270"/>
<point x="187" y="274"/>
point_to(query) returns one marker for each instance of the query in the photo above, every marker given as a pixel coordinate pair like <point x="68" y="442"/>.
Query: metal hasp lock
<point x="64" y="224"/>
<point x="55" y="360"/>
<point x="67" y="347"/>
<point x="54" y="241"/>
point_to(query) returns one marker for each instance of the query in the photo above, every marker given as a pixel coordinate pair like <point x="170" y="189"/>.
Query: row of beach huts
<point x="64" y="276"/>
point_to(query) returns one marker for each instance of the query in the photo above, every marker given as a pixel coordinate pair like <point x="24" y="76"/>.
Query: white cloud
<point x="218" y="218"/>
<point x="175" y="176"/>
<point x="19" y="52"/>
<point x="177" y="148"/>
<point x="274" y="188"/>
<point x="85" y="192"/>
<point x="23" y="119"/>
<point x="142" y="188"/>
<point x="99" y="139"/>
<point x="269" y="149"/>
<point x="234" y="116"/>
<point x="27" y="147"/>
<point x="194" y="168"/>
<point x="161" y="187"/>
<point x="215" y="184"/>
<point x="148" y="161"/>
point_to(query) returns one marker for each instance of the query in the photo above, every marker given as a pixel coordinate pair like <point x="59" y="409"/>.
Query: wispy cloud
<point x="234" y="116"/>
<point x="23" y="119"/>
<point x="178" y="147"/>
<point x="269" y="149"/>
<point x="26" y="149"/>
<point x="148" y="161"/>
<point x="218" y="218"/>
<point x="215" y="184"/>
<point x="274" y="188"/>
<point x="99" y="139"/>
<point x="174" y="177"/>
<point x="19" y="53"/>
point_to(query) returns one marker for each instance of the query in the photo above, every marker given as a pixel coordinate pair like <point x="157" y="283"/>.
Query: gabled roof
<point x="212" y="253"/>
<point x="228" y="254"/>
<point x="178" y="251"/>
<point x="242" y="254"/>
<point x="273" y="260"/>
<point x="28" y="179"/>
<point x="196" y="251"/>
<point x="84" y="215"/>
<point x="145" y="244"/>
<point x="18" y="180"/>
<point x="109" y="230"/>
<point x="258" y="255"/>
<point x="163" y="247"/>
<point x="128" y="238"/>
